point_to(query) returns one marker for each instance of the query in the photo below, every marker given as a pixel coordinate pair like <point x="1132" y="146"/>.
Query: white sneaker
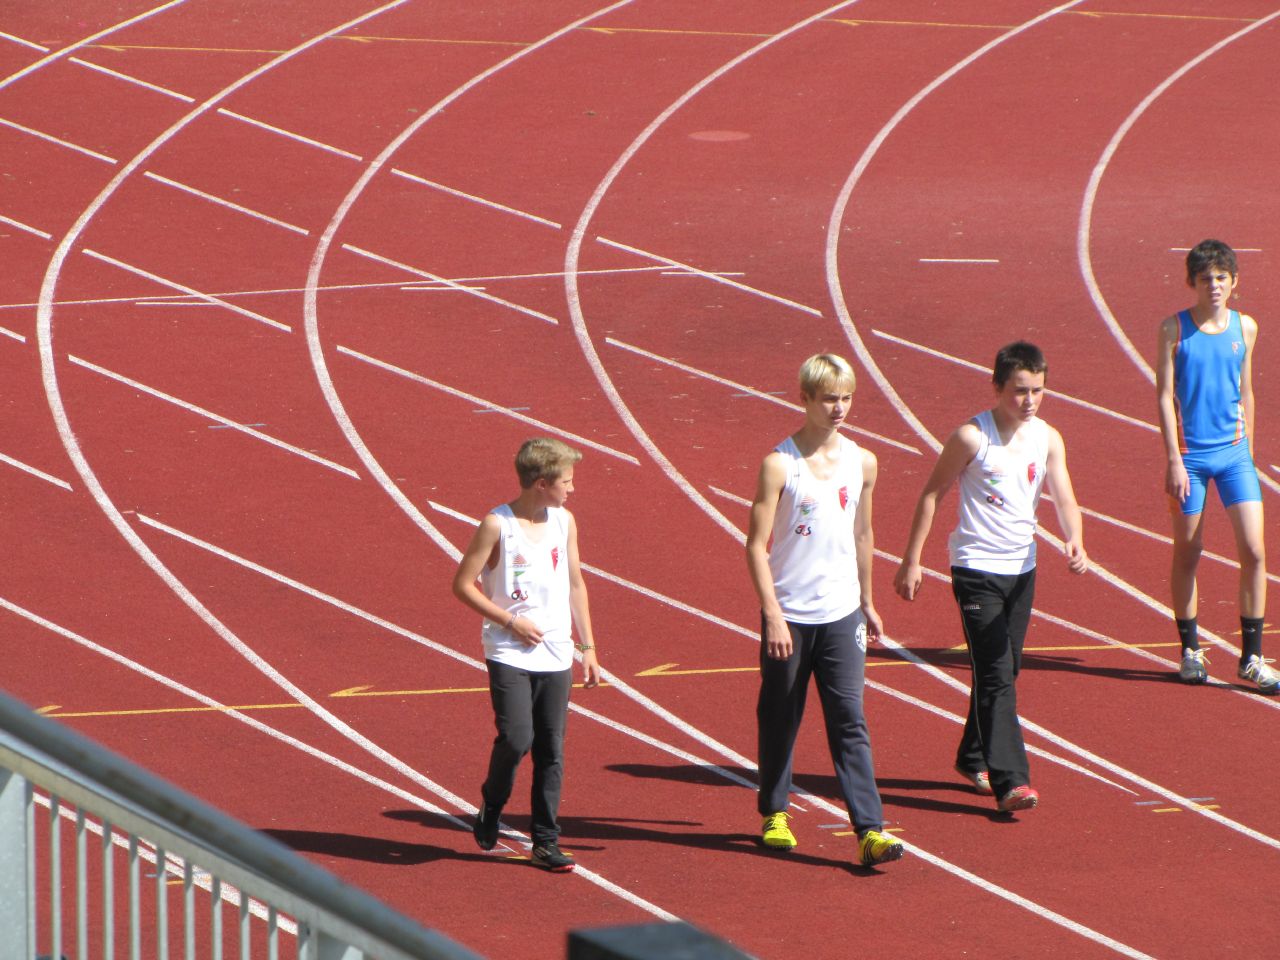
<point x="1192" y="669"/>
<point x="1256" y="669"/>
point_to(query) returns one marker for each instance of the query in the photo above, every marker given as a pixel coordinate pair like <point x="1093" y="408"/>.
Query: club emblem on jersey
<point x="555" y="557"/>
<point x="804" y="529"/>
<point x="807" y="505"/>
<point x="519" y="567"/>
<point x="844" y="498"/>
<point x="1235" y="346"/>
<point x="1031" y="473"/>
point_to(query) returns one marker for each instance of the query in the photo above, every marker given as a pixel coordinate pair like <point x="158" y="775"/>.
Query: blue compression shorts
<point x="1230" y="468"/>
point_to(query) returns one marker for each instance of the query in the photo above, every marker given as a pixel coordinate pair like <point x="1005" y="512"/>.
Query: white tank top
<point x="999" y="494"/>
<point x="813" y="558"/>
<point x="531" y="580"/>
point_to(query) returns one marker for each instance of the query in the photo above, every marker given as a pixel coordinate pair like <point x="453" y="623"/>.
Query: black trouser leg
<point x="784" y="684"/>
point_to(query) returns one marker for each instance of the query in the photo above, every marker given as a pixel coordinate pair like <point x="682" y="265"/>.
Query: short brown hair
<point x="544" y="458"/>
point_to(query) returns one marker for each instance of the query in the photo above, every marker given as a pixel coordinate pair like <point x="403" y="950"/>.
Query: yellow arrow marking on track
<point x="689" y="33"/>
<point x="921" y="23"/>
<point x="121" y="47"/>
<point x="1083" y="646"/>
<point x="367" y="38"/>
<point x="368" y="691"/>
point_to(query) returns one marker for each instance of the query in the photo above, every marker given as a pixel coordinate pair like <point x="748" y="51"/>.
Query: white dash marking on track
<point x="487" y="405"/>
<point x="209" y="414"/>
<point x="136" y="81"/>
<point x="22" y="43"/>
<point x="41" y="135"/>
<point x="360" y="251"/>
<point x="474" y="199"/>
<point x="320" y="145"/>
<point x="229" y="204"/>
<point x="12" y="335"/>
<point x="709" y="275"/>
<point x="35" y="472"/>
<point x="741" y="501"/>
<point x="26" y="227"/>
<point x="189" y="291"/>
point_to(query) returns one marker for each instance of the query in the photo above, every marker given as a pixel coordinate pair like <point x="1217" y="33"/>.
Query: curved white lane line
<point x="310" y="296"/>
<point x="49" y="373"/>
<point x="1083" y="234"/>
<point x="1095" y="181"/>
<point x="842" y="203"/>
<point x="573" y="256"/>
<point x="71" y="48"/>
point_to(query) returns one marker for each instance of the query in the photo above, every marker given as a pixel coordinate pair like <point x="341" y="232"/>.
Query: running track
<point x="283" y="292"/>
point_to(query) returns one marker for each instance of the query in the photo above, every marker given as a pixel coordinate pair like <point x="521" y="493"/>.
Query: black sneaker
<point x="548" y="856"/>
<point x="485" y="829"/>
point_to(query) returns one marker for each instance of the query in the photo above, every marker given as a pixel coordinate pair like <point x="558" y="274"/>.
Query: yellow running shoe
<point x="876" y="847"/>
<point x="776" y="833"/>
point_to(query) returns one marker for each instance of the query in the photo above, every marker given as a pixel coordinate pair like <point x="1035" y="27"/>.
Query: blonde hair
<point x="825" y="370"/>
<point x="544" y="458"/>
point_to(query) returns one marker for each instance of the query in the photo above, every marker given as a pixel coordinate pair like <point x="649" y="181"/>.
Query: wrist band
<point x="510" y="622"/>
<point x="584" y="647"/>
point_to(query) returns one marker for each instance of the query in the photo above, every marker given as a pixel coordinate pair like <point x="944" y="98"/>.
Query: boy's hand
<point x="777" y="638"/>
<point x="1077" y="559"/>
<point x="590" y="669"/>
<point x="1176" y="482"/>
<point x="875" y="626"/>
<point x="908" y="579"/>
<point x="526" y="631"/>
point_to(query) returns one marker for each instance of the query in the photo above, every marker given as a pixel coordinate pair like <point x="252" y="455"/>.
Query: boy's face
<point x="1021" y="394"/>
<point x="828" y="406"/>
<point x="557" y="491"/>
<point x="1213" y="287"/>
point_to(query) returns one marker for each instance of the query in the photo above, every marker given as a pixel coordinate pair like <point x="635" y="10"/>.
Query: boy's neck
<point x="814" y="437"/>
<point x="1217" y="316"/>
<point x="1006" y="424"/>
<point x="531" y="505"/>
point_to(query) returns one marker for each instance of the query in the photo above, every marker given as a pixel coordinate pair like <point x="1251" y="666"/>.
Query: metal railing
<point x="260" y="899"/>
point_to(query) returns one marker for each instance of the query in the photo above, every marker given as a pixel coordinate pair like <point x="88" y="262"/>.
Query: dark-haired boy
<point x="1204" y="389"/>
<point x="1002" y="458"/>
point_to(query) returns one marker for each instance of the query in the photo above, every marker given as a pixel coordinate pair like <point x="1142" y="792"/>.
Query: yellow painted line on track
<point x="368" y="38"/>
<point x="1084" y="646"/>
<point x="120" y="47"/>
<point x="921" y="23"/>
<point x="1158" y="16"/>
<point x="675" y="32"/>
<point x="1198" y="806"/>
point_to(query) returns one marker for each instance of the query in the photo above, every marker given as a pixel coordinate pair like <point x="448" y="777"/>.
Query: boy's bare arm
<point x="961" y="447"/>
<point x="772" y="479"/>
<point x="479" y="552"/>
<point x="1064" y="502"/>
<point x="1250" y="328"/>
<point x="1176" y="482"/>
<point x="864" y="540"/>
<point x="581" y="611"/>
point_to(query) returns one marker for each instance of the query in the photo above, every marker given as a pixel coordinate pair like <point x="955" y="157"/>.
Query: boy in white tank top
<point x="809" y="550"/>
<point x="531" y="593"/>
<point x="1002" y="458"/>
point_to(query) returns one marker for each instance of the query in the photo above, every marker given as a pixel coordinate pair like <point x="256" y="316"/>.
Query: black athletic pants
<point x="835" y="655"/>
<point x="529" y="710"/>
<point x="994" y="610"/>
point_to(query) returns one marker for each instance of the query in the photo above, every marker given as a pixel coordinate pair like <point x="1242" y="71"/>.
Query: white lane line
<point x="133" y="80"/>
<point x="189" y="291"/>
<point x="289" y="134"/>
<point x="72" y="47"/>
<point x="741" y="501"/>
<point x="223" y="202"/>
<point x="12" y="335"/>
<point x="836" y="221"/>
<point x="747" y="391"/>
<point x="23" y="43"/>
<point x="359" y="251"/>
<point x="986" y="371"/>
<point x="717" y="277"/>
<point x="27" y="468"/>
<point x="624" y="582"/>
<point x="470" y="196"/>
<point x="485" y="404"/>
<point x="41" y="135"/>
<point x="29" y="229"/>
<point x="957" y="260"/>
<point x="210" y="415"/>
<point x="1085" y="225"/>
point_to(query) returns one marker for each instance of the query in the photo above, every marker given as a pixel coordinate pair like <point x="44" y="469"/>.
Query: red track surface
<point x="587" y="173"/>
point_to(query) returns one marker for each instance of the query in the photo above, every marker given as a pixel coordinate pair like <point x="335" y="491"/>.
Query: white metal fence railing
<point x="100" y="859"/>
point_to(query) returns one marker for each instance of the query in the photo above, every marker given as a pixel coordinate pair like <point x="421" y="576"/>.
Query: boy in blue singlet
<point x="1204" y="387"/>
<point x="521" y="573"/>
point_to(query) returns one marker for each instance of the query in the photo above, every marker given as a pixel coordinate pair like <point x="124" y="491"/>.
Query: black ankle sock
<point x="1250" y="638"/>
<point x="1188" y="633"/>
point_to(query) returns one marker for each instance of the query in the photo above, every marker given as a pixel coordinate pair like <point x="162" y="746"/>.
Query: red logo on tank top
<point x="1031" y="473"/>
<point x="555" y="557"/>
<point x="844" y="498"/>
